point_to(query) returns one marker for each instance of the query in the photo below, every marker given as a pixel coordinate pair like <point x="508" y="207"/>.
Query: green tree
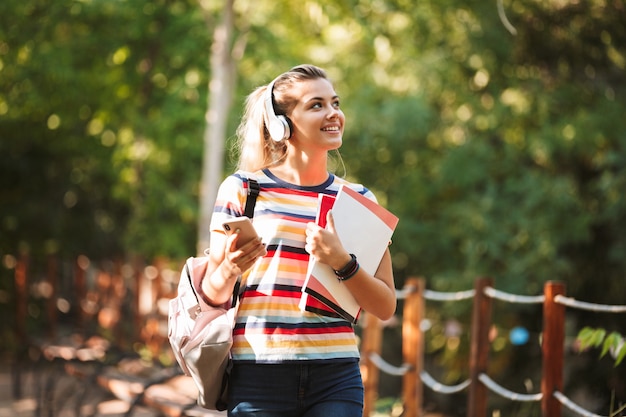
<point x="502" y="154"/>
<point x="102" y="106"/>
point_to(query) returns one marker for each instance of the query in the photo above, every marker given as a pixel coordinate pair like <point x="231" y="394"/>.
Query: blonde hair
<point x="256" y="149"/>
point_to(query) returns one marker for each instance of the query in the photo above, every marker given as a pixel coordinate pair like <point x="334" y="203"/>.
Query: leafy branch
<point x="612" y="342"/>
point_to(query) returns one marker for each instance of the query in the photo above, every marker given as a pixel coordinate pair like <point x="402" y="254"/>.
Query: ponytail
<point x="256" y="150"/>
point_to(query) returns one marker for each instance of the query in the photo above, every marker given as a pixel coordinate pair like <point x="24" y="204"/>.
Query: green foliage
<point x="503" y="155"/>
<point x="487" y="177"/>
<point x="102" y="119"/>
<point x="612" y="342"/>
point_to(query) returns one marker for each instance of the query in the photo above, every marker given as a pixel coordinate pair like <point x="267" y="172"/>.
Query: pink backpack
<point x="201" y="335"/>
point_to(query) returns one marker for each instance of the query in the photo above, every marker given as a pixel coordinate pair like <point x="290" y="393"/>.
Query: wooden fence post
<point x="552" y="349"/>
<point x="479" y="348"/>
<point x="371" y="343"/>
<point x="413" y="347"/>
<point x="118" y="293"/>
<point x="138" y="266"/>
<point x="21" y="299"/>
<point x="21" y="303"/>
<point x="52" y="280"/>
<point x="80" y="292"/>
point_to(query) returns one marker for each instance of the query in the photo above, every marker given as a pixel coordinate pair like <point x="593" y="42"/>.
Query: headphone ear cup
<point x="279" y="128"/>
<point x="288" y="126"/>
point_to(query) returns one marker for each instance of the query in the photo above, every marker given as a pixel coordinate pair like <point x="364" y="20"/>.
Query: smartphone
<point x="247" y="232"/>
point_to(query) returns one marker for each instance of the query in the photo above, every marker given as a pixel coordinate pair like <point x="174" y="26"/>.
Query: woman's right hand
<point x="227" y="263"/>
<point x="239" y="259"/>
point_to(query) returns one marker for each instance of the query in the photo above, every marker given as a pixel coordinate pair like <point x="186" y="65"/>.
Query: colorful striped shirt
<point x="270" y="326"/>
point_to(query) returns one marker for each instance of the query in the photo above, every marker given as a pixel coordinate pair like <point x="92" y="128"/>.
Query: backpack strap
<point x="253" y="193"/>
<point x="196" y="273"/>
<point x="195" y="270"/>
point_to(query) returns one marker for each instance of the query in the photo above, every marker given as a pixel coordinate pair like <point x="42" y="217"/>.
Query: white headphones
<point x="278" y="126"/>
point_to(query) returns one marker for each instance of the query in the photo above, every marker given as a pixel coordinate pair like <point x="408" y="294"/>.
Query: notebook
<point x="365" y="229"/>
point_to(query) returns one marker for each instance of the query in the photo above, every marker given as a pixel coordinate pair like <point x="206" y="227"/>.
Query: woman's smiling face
<point x="317" y="119"/>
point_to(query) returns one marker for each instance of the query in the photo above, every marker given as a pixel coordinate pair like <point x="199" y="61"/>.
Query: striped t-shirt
<point x="270" y="326"/>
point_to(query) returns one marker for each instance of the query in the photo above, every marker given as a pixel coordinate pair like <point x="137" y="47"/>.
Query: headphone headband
<point x="277" y="125"/>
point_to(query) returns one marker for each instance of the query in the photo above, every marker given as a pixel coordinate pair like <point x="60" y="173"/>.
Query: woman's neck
<point x="305" y="172"/>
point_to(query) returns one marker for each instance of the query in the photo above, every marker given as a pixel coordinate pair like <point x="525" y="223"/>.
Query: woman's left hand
<point x="324" y="244"/>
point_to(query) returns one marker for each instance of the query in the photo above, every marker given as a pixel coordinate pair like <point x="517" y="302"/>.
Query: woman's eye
<point x="320" y="105"/>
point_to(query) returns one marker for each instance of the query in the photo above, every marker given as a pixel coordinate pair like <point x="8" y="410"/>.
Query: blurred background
<point x="495" y="130"/>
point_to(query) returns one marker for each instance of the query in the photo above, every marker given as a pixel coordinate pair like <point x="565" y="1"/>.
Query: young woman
<point x="289" y="362"/>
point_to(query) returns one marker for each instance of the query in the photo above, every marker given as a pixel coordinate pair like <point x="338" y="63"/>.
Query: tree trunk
<point x="220" y="97"/>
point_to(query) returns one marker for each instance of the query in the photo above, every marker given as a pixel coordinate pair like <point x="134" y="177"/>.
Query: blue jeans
<point x="296" y="389"/>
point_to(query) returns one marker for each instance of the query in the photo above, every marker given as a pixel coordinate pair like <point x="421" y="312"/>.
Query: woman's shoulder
<point x="241" y="176"/>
